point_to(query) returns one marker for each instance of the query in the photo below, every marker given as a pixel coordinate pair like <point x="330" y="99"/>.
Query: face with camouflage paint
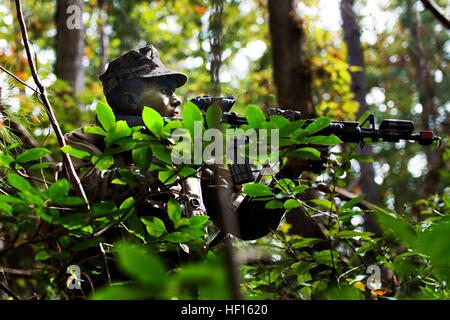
<point x="158" y="94"/>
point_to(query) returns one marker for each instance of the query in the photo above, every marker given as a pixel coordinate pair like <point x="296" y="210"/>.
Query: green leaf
<point x="285" y="184"/>
<point x="153" y="121"/>
<point x="103" y="162"/>
<point x="73" y="221"/>
<point x="135" y="227"/>
<point x="142" y="157"/>
<point x="76" y="152"/>
<point x="292" y="129"/>
<point x="18" y="182"/>
<point x="105" y="115"/>
<point x="11" y="199"/>
<point x="5" y="208"/>
<point x="363" y="158"/>
<point x="193" y="231"/>
<point x="42" y="255"/>
<point x="255" y="117"/>
<point x="369" y="245"/>
<point x="5" y="160"/>
<point x="127" y="204"/>
<point x="324" y="257"/>
<point x="279" y="121"/>
<point x="155" y="226"/>
<point x="306" y="153"/>
<point x="143" y="266"/>
<point x="41" y="165"/>
<point x="174" y="211"/>
<point x="351" y="234"/>
<point x="12" y="146"/>
<point x="299" y="189"/>
<point x="95" y="130"/>
<point x="397" y="226"/>
<point x="32" y="154"/>
<point x="187" y="171"/>
<point x="121" y="293"/>
<point x="317" y="125"/>
<point x="274" y="274"/>
<point x="46" y="214"/>
<point x="351" y="203"/>
<point x="291" y="204"/>
<point x="192" y="114"/>
<point x="125" y="144"/>
<point x="104" y="209"/>
<point x="324" y="203"/>
<point x="162" y="153"/>
<point x="197" y="221"/>
<point x="68" y="201"/>
<point x="349" y="214"/>
<point x="323" y="140"/>
<point x="303" y="266"/>
<point x="58" y="189"/>
<point x="257" y="190"/>
<point x="89" y="243"/>
<point x="274" y="204"/>
<point x="305" y="242"/>
<point x="127" y="176"/>
<point x="117" y="131"/>
<point x="179" y="237"/>
<point x="167" y="177"/>
<point x="171" y="126"/>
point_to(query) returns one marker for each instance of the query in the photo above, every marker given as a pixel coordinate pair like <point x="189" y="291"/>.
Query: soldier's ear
<point x="129" y="100"/>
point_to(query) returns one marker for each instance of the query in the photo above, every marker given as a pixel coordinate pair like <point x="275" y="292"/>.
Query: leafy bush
<point x="44" y="221"/>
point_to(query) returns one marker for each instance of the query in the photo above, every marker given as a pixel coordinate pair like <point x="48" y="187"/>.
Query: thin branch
<point x="437" y="12"/>
<point x="18" y="272"/>
<point x="9" y="292"/>
<point x="73" y="177"/>
<point x="104" y="262"/>
<point x="18" y="79"/>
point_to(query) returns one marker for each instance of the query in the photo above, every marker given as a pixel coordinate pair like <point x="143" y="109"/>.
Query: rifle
<point x="389" y="130"/>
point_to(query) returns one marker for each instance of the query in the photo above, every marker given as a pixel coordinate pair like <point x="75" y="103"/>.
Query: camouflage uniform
<point x="253" y="220"/>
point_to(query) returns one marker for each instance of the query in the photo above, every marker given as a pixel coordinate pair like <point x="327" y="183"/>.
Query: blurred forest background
<point x="396" y="71"/>
<point x="330" y="58"/>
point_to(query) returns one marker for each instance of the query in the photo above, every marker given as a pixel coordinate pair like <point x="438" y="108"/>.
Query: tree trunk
<point x="293" y="79"/>
<point x="359" y="89"/>
<point x="103" y="37"/>
<point x="426" y="97"/>
<point x="355" y="57"/>
<point x="216" y="29"/>
<point x="69" y="46"/>
<point x="291" y="71"/>
<point x="423" y="76"/>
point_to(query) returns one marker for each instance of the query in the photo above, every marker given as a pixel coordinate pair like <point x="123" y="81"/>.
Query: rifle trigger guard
<point x="362" y="144"/>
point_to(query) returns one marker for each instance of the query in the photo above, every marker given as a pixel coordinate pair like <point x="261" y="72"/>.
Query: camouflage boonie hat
<point x="138" y="63"/>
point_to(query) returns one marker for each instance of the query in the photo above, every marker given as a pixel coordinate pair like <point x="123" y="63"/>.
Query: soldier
<point x="137" y="79"/>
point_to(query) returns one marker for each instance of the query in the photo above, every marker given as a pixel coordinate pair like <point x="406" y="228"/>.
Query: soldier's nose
<point x="175" y="102"/>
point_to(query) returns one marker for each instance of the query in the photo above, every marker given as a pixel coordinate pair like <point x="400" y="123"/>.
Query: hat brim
<point x="179" y="78"/>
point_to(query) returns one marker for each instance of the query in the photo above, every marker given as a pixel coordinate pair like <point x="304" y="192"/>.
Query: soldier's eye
<point x="166" y="91"/>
